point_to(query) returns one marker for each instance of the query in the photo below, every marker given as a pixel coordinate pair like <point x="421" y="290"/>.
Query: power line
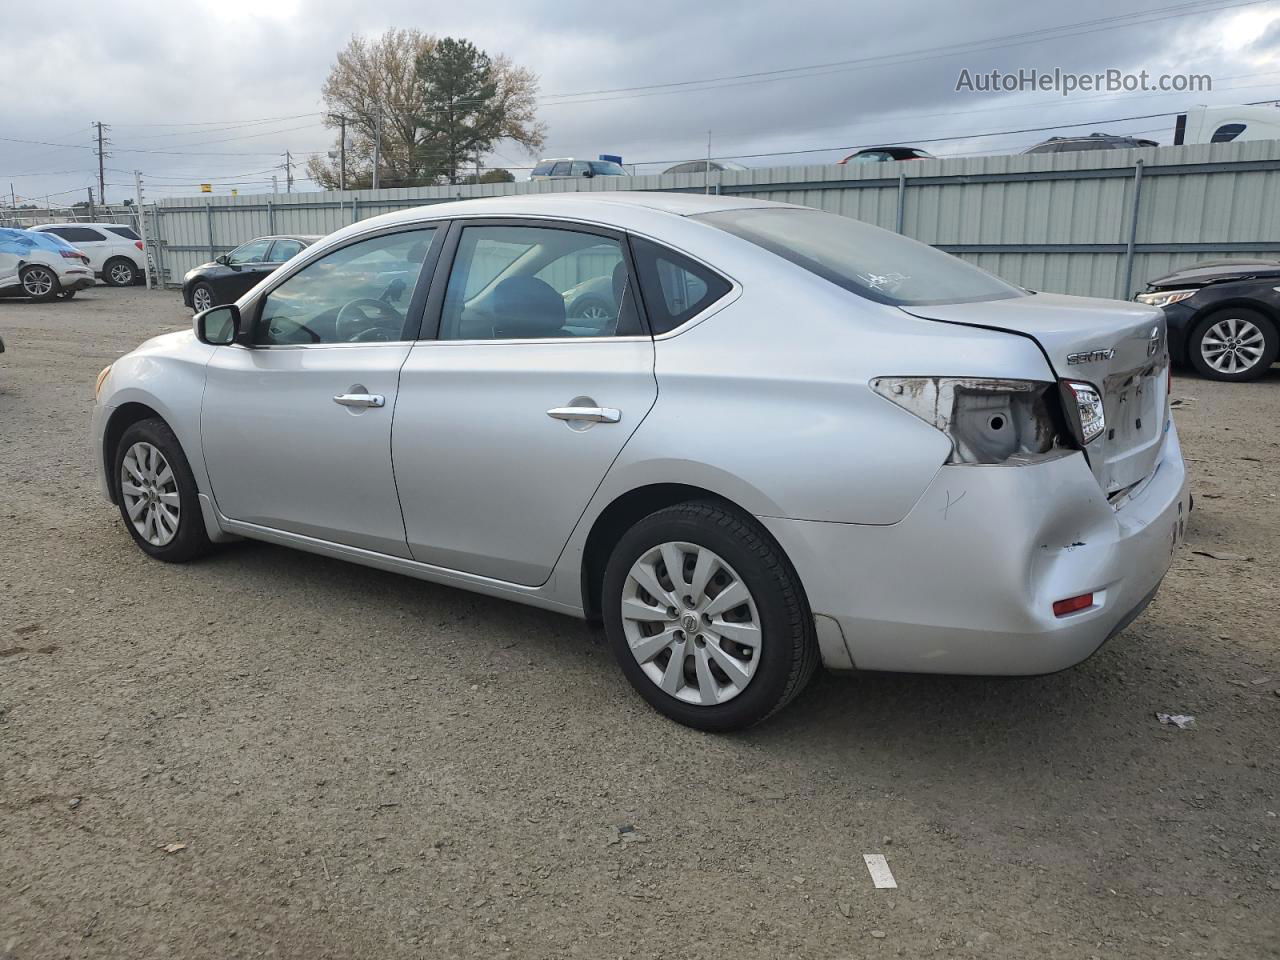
<point x="902" y="57"/>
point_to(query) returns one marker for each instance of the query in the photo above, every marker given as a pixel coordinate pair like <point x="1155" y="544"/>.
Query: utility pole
<point x="93" y="216"/>
<point x="142" y="225"/>
<point x="288" y="172"/>
<point x="102" y="194"/>
<point x="275" y="184"/>
<point x="342" y="152"/>
<point x="377" y="146"/>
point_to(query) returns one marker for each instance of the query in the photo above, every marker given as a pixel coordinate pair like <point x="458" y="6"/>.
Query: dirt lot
<point x="363" y="765"/>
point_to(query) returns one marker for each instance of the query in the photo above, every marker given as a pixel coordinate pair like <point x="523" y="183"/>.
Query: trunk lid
<point x="1120" y="348"/>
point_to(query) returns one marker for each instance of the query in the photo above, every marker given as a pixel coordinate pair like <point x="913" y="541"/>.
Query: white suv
<point x="41" y="266"/>
<point x="115" y="250"/>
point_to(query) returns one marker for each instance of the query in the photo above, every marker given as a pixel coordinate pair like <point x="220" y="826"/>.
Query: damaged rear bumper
<point x="966" y="583"/>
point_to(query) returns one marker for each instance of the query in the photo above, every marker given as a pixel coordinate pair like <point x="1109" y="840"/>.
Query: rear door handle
<point x="360" y="399"/>
<point x="586" y="414"/>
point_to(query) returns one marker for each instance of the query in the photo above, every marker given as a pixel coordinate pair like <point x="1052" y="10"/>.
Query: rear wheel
<point x="120" y="272"/>
<point x="39" y="283"/>
<point x="158" y="497"/>
<point x="1233" y="344"/>
<point x="66" y="294"/>
<point x="707" y="618"/>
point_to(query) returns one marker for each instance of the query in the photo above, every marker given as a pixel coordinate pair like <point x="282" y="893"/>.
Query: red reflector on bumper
<point x="1062" y="607"/>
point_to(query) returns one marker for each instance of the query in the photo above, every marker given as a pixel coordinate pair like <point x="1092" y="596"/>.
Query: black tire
<point x="213" y="299"/>
<point x="191" y="539"/>
<point x="788" y="648"/>
<point x="119" y="272"/>
<point x="1270" y="348"/>
<point x="35" y="270"/>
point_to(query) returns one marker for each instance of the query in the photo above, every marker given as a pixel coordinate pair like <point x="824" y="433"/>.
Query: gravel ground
<point x="364" y="765"/>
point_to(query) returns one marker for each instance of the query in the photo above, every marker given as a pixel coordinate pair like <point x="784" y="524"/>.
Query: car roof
<point x="585" y="203"/>
<point x="80" y="223"/>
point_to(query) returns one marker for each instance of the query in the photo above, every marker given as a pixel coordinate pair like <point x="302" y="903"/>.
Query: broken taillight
<point x="988" y="421"/>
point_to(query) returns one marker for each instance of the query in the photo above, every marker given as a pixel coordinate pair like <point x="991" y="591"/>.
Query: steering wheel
<point x="352" y="321"/>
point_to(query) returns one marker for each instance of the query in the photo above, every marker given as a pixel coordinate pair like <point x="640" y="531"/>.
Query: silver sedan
<point x="786" y="438"/>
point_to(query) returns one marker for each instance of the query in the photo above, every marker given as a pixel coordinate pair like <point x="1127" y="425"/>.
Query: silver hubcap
<point x="596" y="313"/>
<point x="150" y="492"/>
<point x="202" y="299"/>
<point x="38" y="282"/>
<point x="121" y="274"/>
<point x="691" y="623"/>
<point x="1232" y="346"/>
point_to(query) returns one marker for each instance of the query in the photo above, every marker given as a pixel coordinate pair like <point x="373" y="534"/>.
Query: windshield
<point x="871" y="262"/>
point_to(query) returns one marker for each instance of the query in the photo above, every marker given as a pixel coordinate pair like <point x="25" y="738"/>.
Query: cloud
<point x="152" y="64"/>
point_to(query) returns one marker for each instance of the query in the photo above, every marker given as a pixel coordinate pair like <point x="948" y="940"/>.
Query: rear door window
<point x="77" y="234"/>
<point x="285" y="250"/>
<point x="127" y="232"/>
<point x="560" y="170"/>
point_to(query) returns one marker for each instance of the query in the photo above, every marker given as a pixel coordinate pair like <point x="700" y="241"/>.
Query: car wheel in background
<point x="157" y="493"/>
<point x="202" y="297"/>
<point x="119" y="272"/>
<point x="707" y="618"/>
<point x="596" y="311"/>
<point x="66" y="294"/>
<point x="1235" y="343"/>
<point x="39" y="283"/>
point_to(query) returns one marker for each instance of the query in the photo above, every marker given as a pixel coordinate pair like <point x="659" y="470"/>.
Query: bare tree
<point x="373" y="76"/>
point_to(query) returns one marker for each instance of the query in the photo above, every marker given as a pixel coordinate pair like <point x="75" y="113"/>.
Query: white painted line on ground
<point x="878" y="867"/>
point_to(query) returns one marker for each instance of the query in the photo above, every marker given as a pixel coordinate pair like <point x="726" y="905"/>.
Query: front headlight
<point x="102" y="378"/>
<point x="1162" y="298"/>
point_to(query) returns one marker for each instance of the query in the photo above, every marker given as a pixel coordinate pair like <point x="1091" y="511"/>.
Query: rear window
<point x="127" y="232"/>
<point x="871" y="262"/>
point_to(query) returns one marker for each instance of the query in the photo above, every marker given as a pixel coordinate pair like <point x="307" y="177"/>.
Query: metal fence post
<point x="355" y="208"/>
<point x="208" y="210"/>
<point x="161" y="267"/>
<point x="271" y="217"/>
<point x="1133" y="231"/>
<point x="902" y="200"/>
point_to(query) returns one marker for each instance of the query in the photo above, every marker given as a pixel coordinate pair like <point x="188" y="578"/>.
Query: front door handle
<point x="586" y="414"/>
<point x="360" y="399"/>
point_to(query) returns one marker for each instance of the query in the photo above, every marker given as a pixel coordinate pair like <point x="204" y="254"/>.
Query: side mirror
<point x="222" y="258"/>
<point x="218" y="326"/>
<point x="588" y="173"/>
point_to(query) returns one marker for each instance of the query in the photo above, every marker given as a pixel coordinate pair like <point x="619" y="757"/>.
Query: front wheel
<point x="158" y="497"/>
<point x="202" y="298"/>
<point x="707" y="618"/>
<point x="40" y="283"/>
<point x="1234" y="344"/>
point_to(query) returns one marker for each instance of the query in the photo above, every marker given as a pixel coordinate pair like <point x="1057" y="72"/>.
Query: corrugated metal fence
<point x="1092" y="223"/>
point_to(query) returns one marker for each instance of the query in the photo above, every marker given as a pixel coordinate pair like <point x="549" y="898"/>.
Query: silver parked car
<point x="796" y="439"/>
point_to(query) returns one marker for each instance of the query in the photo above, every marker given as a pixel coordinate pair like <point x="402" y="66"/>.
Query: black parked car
<point x="231" y="275"/>
<point x="1223" y="316"/>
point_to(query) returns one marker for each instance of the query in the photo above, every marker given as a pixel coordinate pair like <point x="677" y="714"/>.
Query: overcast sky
<point x="179" y="77"/>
